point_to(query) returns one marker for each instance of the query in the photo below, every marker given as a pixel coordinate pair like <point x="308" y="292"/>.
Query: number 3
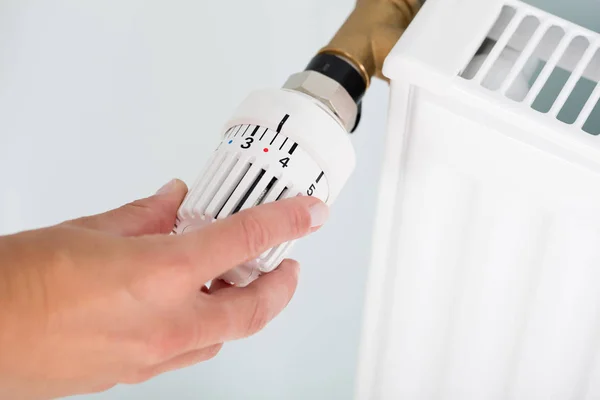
<point x="246" y="145"/>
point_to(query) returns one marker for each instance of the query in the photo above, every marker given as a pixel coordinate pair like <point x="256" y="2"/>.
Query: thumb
<point x="152" y="215"/>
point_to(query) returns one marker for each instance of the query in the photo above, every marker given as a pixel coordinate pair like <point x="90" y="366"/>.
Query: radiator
<point x="485" y="274"/>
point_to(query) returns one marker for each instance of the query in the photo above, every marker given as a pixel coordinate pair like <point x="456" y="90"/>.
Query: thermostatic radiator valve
<point x="292" y="141"/>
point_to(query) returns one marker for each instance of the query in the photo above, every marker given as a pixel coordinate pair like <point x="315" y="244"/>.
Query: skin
<point x="112" y="298"/>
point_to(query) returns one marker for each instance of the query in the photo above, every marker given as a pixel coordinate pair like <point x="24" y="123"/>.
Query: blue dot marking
<point x="230" y="142"/>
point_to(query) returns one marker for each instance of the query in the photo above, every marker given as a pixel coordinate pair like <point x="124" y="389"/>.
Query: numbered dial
<point x="280" y="158"/>
<point x="279" y="144"/>
<point x="253" y="165"/>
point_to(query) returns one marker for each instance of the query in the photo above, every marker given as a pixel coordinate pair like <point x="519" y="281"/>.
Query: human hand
<point x="113" y="298"/>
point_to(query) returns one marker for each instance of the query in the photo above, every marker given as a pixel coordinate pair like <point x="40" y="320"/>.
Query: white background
<point x="103" y="101"/>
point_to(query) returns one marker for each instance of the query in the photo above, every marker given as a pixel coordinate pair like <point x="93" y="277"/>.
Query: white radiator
<point x="485" y="275"/>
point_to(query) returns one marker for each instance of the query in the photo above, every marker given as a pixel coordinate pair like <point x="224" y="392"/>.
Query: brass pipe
<point x="370" y="32"/>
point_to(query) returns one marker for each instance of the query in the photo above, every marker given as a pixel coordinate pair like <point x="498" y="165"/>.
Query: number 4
<point x="284" y="162"/>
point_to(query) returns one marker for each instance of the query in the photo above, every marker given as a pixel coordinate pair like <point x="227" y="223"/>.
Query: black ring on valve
<point x="358" y="115"/>
<point x="341" y="71"/>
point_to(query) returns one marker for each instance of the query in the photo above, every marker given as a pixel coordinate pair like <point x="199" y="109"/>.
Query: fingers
<point x="147" y="216"/>
<point x="216" y="285"/>
<point x="181" y="361"/>
<point x="213" y="250"/>
<point x="236" y="312"/>
<point x="226" y="313"/>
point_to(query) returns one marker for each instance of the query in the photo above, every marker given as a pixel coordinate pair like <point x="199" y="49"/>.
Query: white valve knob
<point x="279" y="143"/>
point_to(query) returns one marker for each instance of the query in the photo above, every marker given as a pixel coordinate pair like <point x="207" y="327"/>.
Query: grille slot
<point x="513" y="65"/>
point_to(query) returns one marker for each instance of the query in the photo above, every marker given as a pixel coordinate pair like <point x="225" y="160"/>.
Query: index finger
<point x="217" y="248"/>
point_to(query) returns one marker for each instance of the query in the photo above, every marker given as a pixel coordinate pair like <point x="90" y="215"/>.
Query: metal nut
<point x="327" y="91"/>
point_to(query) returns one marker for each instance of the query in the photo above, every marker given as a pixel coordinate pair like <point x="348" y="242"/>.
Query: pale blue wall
<point x="102" y="101"/>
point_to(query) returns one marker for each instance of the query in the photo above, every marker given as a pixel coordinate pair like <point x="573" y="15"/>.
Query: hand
<point x="113" y="298"/>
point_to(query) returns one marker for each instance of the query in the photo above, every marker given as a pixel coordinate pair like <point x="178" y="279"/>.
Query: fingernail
<point x="168" y="187"/>
<point x="318" y="214"/>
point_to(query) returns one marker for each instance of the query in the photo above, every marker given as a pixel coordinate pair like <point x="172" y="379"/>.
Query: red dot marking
<point x="266" y="150"/>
